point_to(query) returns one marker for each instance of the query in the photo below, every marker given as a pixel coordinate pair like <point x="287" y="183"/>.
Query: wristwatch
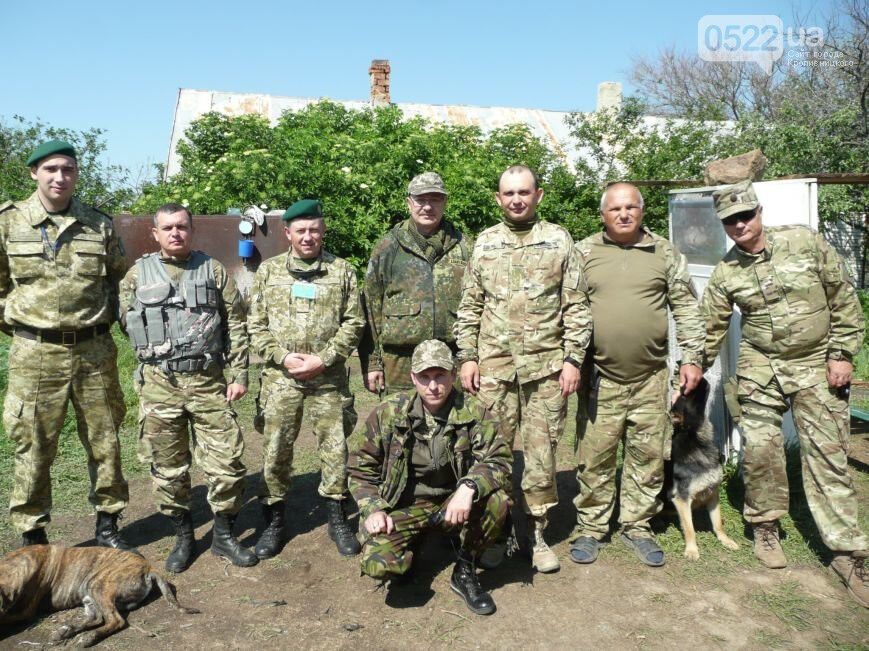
<point x="470" y="483"/>
<point x="839" y="355"/>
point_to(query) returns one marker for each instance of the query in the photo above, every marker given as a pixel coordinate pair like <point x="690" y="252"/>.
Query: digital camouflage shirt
<point x="380" y="451"/>
<point x="306" y="308"/>
<point x="797" y="303"/>
<point x="58" y="271"/>
<point x="230" y="306"/>
<point x="411" y="294"/>
<point x="524" y="308"/>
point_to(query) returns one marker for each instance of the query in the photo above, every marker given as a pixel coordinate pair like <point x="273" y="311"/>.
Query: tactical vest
<point x="177" y="326"/>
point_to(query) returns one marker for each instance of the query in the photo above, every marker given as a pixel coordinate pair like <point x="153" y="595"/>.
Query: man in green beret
<point x="60" y="264"/>
<point x="413" y="286"/>
<point x="802" y="325"/>
<point x="304" y="321"/>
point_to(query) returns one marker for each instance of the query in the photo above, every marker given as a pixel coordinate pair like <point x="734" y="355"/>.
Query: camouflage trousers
<point x="536" y="411"/>
<point x="823" y="425"/>
<point x="637" y="413"/>
<point x="333" y="418"/>
<point x="43" y="379"/>
<point x="386" y="555"/>
<point x="172" y="411"/>
<point x="396" y="369"/>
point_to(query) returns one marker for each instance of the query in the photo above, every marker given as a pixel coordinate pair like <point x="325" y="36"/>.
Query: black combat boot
<point x="185" y="545"/>
<point x="107" y="534"/>
<point x="339" y="529"/>
<point x="465" y="583"/>
<point x="273" y="537"/>
<point x="34" y="537"/>
<point x="225" y="545"/>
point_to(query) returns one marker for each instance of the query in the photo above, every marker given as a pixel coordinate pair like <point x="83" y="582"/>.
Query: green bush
<point x="359" y="162"/>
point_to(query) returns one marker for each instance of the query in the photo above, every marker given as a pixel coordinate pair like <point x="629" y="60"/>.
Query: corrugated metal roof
<point x="547" y="125"/>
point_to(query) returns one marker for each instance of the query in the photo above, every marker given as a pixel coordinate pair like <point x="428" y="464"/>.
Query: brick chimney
<point x="379" y="73"/>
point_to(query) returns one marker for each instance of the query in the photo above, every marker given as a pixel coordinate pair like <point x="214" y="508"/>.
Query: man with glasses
<point x="802" y="325"/>
<point x="413" y="286"/>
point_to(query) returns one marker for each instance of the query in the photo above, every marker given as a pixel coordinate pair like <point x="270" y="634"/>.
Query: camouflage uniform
<point x="412" y="290"/>
<point x="59" y="273"/>
<point x="310" y="308"/>
<point x="171" y="401"/>
<point x="798" y="310"/>
<point x="523" y="312"/>
<point x="628" y="393"/>
<point x="380" y="468"/>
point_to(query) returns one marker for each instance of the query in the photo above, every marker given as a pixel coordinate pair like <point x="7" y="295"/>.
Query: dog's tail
<point x="168" y="591"/>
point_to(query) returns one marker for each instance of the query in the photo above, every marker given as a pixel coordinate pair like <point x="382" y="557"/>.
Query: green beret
<point x="50" y="148"/>
<point x="305" y="208"/>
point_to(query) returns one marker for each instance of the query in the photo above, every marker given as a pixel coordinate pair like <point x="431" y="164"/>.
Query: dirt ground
<point x="310" y="597"/>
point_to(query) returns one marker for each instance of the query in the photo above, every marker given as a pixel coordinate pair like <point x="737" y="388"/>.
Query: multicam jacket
<point x="58" y="277"/>
<point x="524" y="308"/>
<point x="313" y="309"/>
<point x="798" y="308"/>
<point x="229" y="306"/>
<point x="409" y="298"/>
<point x="380" y="450"/>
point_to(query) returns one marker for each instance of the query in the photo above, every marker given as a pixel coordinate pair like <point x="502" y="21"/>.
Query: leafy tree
<point x="358" y="162"/>
<point x="105" y="186"/>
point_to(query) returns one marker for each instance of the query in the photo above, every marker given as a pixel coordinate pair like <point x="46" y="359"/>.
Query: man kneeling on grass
<point x="433" y="457"/>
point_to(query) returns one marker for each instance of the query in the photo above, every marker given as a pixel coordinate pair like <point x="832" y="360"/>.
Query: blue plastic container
<point x="245" y="248"/>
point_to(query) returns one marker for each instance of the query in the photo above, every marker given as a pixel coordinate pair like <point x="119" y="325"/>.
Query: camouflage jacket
<point x="797" y="303"/>
<point x="230" y="306"/>
<point x="407" y="298"/>
<point x="380" y="450"/>
<point x="300" y="309"/>
<point x="524" y="308"/>
<point x="58" y="278"/>
<point x="634" y="305"/>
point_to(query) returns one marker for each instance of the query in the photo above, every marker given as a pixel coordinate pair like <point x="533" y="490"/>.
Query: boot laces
<point x="769" y="539"/>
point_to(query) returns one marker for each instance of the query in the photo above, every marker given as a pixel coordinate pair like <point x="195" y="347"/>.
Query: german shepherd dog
<point x="693" y="475"/>
<point x="100" y="579"/>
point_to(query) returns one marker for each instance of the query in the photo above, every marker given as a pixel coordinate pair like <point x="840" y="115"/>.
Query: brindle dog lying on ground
<point x="100" y="579"/>
<point x="693" y="475"/>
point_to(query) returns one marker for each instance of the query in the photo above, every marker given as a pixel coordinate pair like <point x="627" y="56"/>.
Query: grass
<point x="788" y="603"/>
<point x="70" y="482"/>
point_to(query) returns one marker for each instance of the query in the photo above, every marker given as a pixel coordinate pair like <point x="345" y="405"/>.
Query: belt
<point x="64" y="337"/>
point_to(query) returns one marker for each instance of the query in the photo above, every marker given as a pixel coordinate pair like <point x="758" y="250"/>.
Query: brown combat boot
<point x="543" y="559"/>
<point x="767" y="546"/>
<point x="852" y="569"/>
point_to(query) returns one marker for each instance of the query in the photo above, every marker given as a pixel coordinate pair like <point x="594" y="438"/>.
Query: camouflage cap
<point x="735" y="199"/>
<point x="51" y="148"/>
<point x="425" y="183"/>
<point x="431" y="354"/>
<point x="306" y="208"/>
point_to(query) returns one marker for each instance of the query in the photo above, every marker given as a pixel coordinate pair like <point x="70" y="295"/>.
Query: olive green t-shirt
<point x="628" y="297"/>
